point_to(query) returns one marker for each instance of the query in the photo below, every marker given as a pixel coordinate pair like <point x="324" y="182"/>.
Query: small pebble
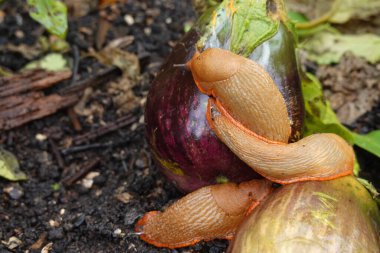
<point x="141" y="163"/>
<point x="129" y="19"/>
<point x="124" y="197"/>
<point x="117" y="232"/>
<point x="41" y="137"/>
<point x="19" y="34"/>
<point x="147" y="31"/>
<point x="88" y="181"/>
<point x="14" y="192"/>
<point x="53" y="223"/>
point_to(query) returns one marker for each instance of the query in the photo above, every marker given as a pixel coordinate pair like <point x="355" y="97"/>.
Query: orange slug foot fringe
<point x="209" y="213"/>
<point x="316" y="157"/>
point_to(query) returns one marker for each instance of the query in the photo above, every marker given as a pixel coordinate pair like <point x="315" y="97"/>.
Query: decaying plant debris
<point x="90" y="177"/>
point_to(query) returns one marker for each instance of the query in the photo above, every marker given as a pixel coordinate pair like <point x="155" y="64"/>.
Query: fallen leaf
<point x="326" y="47"/>
<point x="121" y="90"/>
<point x="355" y="9"/>
<point x="338" y="11"/>
<point x="38" y="244"/>
<point x="122" y="95"/>
<point x="81" y="8"/>
<point x="27" y="51"/>
<point x="12" y="243"/>
<point x="52" y="14"/>
<point x="9" y="166"/>
<point x="88" y="109"/>
<point x="103" y="27"/>
<point x="47" y="248"/>
<point x="42" y="46"/>
<point x="5" y="72"/>
<point x="51" y="62"/>
<point x="126" y="61"/>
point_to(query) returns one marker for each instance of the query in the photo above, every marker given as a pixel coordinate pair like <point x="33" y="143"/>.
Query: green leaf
<point x="297" y="17"/>
<point x="320" y="118"/>
<point x="369" y="142"/>
<point x="239" y="26"/>
<point x="56" y="187"/>
<point x="326" y="47"/>
<point x="52" y="14"/>
<point x="251" y="26"/>
<point x="51" y="62"/>
<point x="9" y="166"/>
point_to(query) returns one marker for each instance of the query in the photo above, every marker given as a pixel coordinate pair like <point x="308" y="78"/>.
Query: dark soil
<point x="126" y="184"/>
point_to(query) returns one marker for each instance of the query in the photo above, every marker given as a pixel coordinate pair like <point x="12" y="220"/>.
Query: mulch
<point x="87" y="186"/>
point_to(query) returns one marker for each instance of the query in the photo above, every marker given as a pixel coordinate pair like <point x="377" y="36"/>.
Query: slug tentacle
<point x="316" y="157"/>
<point x="208" y="213"/>
<point x="244" y="89"/>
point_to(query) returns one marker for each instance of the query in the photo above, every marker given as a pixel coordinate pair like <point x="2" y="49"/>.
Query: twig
<point x="34" y="109"/>
<point x="70" y="180"/>
<point x="22" y="102"/>
<point x="36" y="80"/>
<point x="85" y="147"/>
<point x="322" y="19"/>
<point x="74" y="120"/>
<point x="76" y="57"/>
<point x="119" y="123"/>
<point x="57" y="154"/>
<point x="75" y="149"/>
<point x="99" y="78"/>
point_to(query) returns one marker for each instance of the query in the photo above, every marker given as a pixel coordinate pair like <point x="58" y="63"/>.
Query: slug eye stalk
<point x="244" y="89"/>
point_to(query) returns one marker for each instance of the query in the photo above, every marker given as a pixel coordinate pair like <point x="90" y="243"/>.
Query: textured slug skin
<point x="314" y="217"/>
<point x="316" y="157"/>
<point x="208" y="213"/>
<point x="244" y="89"/>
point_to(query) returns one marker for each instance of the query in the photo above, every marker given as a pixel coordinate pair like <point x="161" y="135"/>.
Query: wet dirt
<point x="98" y="213"/>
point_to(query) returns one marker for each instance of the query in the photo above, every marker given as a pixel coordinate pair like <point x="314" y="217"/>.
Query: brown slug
<point x="316" y="157"/>
<point x="208" y="213"/>
<point x="244" y="89"/>
<point x="246" y="105"/>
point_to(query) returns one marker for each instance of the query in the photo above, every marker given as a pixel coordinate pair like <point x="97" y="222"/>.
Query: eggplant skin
<point x="312" y="217"/>
<point x="185" y="148"/>
<point x="183" y="145"/>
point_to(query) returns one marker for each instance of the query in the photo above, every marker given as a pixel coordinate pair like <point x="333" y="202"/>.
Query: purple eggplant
<point x="183" y="145"/>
